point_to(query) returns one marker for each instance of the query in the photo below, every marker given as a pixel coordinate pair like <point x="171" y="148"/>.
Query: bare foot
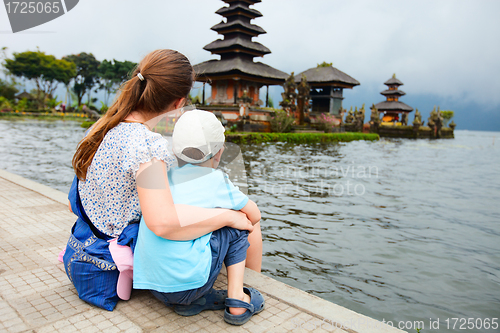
<point x="239" y="311"/>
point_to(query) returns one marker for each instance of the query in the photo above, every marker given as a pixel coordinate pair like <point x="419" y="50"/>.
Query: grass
<point x="87" y="124"/>
<point x="245" y="137"/>
<point x="42" y="116"/>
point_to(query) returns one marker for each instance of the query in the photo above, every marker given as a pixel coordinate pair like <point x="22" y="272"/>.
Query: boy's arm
<point x="252" y="212"/>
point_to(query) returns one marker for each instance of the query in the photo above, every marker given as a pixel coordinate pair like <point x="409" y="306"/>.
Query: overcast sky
<point x="448" y="48"/>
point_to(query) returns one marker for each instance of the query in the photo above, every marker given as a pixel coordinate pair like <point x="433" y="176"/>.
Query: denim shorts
<point x="229" y="246"/>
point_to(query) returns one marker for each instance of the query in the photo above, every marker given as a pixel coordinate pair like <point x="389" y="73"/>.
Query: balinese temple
<point x="236" y="72"/>
<point x="392" y="108"/>
<point x="327" y="84"/>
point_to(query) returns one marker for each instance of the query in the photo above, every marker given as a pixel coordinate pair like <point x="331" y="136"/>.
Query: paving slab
<point x="37" y="296"/>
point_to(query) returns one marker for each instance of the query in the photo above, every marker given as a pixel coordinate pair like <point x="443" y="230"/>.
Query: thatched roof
<point x="250" y="2"/>
<point x="393" y="81"/>
<point x="393" y="106"/>
<point x="234" y="8"/>
<point x="326" y="75"/>
<point x="26" y="95"/>
<point x="393" y="93"/>
<point x="238" y="24"/>
<point x="214" y="68"/>
<point x="232" y="43"/>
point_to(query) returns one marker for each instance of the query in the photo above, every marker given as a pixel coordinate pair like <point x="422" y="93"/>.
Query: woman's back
<point x="109" y="193"/>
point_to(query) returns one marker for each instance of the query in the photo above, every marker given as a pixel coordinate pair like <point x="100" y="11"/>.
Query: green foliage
<point x="5" y="103"/>
<point x="247" y="138"/>
<point x="87" y="124"/>
<point x="270" y="102"/>
<point x="8" y="90"/>
<point x="325" y="64"/>
<point x="23" y="104"/>
<point x="104" y="107"/>
<point x="87" y="73"/>
<point x="52" y="102"/>
<point x="281" y="122"/>
<point x="447" y="115"/>
<point x="44" y="70"/>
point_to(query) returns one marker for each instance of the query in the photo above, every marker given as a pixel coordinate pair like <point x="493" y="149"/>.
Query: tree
<point x="87" y="73"/>
<point x="8" y="90"/>
<point x="9" y="86"/>
<point x="447" y="115"/>
<point x="44" y="70"/>
<point x="112" y="74"/>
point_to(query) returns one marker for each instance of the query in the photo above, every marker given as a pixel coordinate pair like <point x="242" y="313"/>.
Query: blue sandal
<point x="213" y="300"/>
<point x="255" y="306"/>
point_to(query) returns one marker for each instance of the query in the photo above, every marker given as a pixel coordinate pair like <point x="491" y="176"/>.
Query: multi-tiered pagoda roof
<point x="237" y="49"/>
<point x="392" y="94"/>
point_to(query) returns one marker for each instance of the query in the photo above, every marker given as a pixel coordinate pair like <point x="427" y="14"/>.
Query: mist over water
<point x="401" y="230"/>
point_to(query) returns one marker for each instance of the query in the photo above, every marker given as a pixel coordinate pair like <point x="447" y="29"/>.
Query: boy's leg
<point x="254" y="252"/>
<point x="235" y="275"/>
<point x="229" y="246"/>
<point x="235" y="264"/>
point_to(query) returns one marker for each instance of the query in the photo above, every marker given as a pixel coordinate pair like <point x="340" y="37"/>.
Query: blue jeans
<point x="229" y="246"/>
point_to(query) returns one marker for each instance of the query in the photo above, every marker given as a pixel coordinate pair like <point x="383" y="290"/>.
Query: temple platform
<point x="37" y="296"/>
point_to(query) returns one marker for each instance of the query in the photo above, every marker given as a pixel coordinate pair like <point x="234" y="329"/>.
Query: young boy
<point x="182" y="273"/>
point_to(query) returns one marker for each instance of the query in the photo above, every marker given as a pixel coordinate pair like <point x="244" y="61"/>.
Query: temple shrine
<point x="235" y="77"/>
<point x="392" y="109"/>
<point x="327" y="84"/>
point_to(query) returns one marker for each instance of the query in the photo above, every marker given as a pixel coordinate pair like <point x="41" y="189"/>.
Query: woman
<point x="105" y="194"/>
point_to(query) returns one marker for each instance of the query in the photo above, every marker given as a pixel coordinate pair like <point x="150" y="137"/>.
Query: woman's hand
<point x="239" y="220"/>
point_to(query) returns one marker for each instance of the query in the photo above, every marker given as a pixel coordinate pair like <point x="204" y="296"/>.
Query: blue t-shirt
<point x="170" y="266"/>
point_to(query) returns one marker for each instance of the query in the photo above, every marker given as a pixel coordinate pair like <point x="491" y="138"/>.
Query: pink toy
<point x="61" y="255"/>
<point x="124" y="260"/>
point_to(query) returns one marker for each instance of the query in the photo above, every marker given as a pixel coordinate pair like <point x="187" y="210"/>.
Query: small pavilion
<point x="327" y="84"/>
<point x="236" y="75"/>
<point x="25" y="95"/>
<point x="392" y="109"/>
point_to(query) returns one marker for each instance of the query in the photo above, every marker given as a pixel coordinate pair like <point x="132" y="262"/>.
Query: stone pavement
<point x="37" y="296"/>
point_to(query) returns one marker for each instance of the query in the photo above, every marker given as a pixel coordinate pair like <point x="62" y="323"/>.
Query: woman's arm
<point x="174" y="221"/>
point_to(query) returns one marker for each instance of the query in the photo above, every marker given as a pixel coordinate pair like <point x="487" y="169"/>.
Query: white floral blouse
<point x="109" y="194"/>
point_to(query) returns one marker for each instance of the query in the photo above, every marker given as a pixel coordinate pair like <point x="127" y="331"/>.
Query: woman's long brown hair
<point x="168" y="76"/>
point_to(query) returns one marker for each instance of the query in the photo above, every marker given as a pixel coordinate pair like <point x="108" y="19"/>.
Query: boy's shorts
<point x="229" y="246"/>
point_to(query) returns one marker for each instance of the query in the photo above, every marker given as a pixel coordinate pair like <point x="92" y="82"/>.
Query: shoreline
<point x="256" y="137"/>
<point x="39" y="296"/>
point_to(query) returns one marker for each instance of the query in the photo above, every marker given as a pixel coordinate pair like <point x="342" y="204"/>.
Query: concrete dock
<point x="37" y="296"/>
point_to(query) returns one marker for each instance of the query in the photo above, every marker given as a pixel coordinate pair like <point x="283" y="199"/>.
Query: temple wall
<point x="223" y="91"/>
<point x="258" y="120"/>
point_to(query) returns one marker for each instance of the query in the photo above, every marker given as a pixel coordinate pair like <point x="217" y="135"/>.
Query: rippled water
<point x="401" y="230"/>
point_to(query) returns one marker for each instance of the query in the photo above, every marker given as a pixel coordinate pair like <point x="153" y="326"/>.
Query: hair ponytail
<point x="168" y="76"/>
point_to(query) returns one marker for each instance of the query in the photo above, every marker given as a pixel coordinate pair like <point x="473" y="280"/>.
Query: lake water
<point x="399" y="230"/>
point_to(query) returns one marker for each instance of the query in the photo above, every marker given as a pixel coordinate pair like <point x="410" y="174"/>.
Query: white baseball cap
<point x="198" y="129"/>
